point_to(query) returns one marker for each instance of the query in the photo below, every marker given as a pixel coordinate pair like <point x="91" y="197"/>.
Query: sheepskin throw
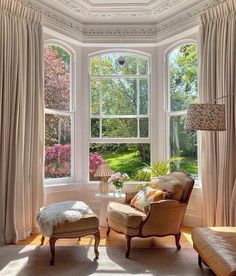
<point x="59" y="213"/>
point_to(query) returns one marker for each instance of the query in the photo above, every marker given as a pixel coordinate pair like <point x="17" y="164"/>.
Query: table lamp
<point x="103" y="172"/>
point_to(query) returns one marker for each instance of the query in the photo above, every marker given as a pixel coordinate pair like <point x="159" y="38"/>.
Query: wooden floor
<point x="118" y="240"/>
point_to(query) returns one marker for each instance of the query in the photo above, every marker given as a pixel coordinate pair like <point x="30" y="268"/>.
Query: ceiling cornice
<point x="121" y="33"/>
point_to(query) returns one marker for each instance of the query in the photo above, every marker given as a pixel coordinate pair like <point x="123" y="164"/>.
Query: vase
<point x="117" y="190"/>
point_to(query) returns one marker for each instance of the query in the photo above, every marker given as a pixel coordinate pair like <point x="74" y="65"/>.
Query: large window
<point x="182" y="83"/>
<point x="119" y="110"/>
<point x="58" y="112"/>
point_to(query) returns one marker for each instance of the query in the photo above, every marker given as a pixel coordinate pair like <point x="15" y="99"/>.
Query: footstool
<point x="88" y="224"/>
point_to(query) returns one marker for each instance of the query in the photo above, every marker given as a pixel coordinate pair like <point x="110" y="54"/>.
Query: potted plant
<point x="117" y="180"/>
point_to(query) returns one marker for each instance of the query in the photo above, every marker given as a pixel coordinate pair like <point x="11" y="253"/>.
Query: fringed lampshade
<point x="103" y="172"/>
<point x="206" y="117"/>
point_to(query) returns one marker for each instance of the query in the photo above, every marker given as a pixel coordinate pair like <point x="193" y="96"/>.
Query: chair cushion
<point x="89" y="221"/>
<point x="170" y="184"/>
<point x="144" y="197"/>
<point x="125" y="215"/>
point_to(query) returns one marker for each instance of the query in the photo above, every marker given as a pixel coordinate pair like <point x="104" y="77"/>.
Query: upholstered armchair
<point x="164" y="216"/>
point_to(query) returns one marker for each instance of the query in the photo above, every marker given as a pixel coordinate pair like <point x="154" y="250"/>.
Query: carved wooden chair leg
<point x="96" y="244"/>
<point x="42" y="240"/>
<point x="52" y="242"/>
<point x="128" y="238"/>
<point x="199" y="260"/>
<point x="177" y="238"/>
<point x="108" y="231"/>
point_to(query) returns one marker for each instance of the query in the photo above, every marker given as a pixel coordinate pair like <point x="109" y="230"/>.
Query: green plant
<point x="156" y="169"/>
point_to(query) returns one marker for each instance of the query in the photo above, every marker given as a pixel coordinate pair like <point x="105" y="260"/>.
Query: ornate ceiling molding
<point x="121" y="33"/>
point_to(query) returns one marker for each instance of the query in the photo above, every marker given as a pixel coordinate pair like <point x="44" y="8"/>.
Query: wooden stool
<point x="88" y="225"/>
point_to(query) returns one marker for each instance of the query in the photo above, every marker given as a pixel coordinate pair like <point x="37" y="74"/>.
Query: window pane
<point x="125" y="158"/>
<point x="183" y="144"/>
<point x="95" y="96"/>
<point x="143" y="65"/>
<point x="119" y="97"/>
<point x="95" y="63"/>
<point x="143" y="126"/>
<point x="95" y="127"/>
<point x="143" y="94"/>
<point x="57" y="78"/>
<point x="119" y="127"/>
<point x="110" y="66"/>
<point x="183" y="77"/>
<point x="57" y="146"/>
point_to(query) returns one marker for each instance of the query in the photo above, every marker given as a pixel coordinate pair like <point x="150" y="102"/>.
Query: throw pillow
<point x="144" y="197"/>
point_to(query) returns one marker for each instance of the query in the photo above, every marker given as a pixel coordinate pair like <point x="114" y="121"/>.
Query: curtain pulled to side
<point x="218" y="78"/>
<point x="21" y="120"/>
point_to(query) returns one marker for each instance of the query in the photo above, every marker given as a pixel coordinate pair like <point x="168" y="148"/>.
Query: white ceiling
<point x="120" y="11"/>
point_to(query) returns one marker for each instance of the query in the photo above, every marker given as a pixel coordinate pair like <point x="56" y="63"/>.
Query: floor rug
<point x="78" y="260"/>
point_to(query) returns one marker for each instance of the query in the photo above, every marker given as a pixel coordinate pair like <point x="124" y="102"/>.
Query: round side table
<point x="105" y="199"/>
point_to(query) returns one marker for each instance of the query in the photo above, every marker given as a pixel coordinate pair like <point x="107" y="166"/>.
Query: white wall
<point x="80" y="188"/>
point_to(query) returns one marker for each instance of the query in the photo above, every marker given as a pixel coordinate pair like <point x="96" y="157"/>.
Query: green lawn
<point x="126" y="162"/>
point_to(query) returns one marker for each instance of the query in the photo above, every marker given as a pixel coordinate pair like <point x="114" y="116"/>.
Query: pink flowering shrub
<point x="57" y="161"/>
<point x="95" y="160"/>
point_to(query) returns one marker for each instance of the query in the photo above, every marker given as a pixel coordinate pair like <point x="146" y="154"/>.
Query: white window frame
<point x="170" y="113"/>
<point x="122" y="140"/>
<point x="71" y="113"/>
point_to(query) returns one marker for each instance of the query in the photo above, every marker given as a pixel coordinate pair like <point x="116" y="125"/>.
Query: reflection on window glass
<point x="57" y="146"/>
<point x="125" y="158"/>
<point x="183" y="144"/>
<point x="183" y="77"/>
<point x="57" y="78"/>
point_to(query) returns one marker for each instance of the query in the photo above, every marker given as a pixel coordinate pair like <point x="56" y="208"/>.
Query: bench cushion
<point x="89" y="221"/>
<point x="217" y="247"/>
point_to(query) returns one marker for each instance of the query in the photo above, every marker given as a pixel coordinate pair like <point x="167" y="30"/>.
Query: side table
<point x="105" y="199"/>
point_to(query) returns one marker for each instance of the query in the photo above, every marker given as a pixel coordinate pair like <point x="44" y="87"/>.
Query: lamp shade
<point x="206" y="117"/>
<point x="103" y="171"/>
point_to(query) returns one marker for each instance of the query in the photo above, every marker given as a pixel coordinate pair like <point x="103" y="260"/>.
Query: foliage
<point x="95" y="160"/>
<point x="57" y="161"/>
<point x="155" y="169"/>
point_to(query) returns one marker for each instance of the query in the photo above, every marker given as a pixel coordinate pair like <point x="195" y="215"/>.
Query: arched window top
<point x="183" y="77"/>
<point x="119" y="63"/>
<point x="57" y="77"/>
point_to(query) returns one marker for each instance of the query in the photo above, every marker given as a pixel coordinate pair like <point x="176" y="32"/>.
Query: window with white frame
<point x="182" y="90"/>
<point x="119" y="111"/>
<point x="58" y="112"/>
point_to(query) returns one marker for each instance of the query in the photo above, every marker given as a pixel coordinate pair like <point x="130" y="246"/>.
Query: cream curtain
<point x="21" y="120"/>
<point x="218" y="78"/>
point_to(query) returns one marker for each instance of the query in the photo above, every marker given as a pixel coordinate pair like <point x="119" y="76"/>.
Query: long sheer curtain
<point x="218" y="78"/>
<point x="21" y="120"/>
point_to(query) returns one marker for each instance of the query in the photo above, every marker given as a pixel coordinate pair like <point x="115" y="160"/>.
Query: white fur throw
<point x="59" y="213"/>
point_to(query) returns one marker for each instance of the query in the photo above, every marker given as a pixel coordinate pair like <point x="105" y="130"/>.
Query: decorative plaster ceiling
<point x="120" y="21"/>
<point x="117" y="11"/>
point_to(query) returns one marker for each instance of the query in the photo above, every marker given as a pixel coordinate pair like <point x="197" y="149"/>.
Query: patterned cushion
<point x="144" y="197"/>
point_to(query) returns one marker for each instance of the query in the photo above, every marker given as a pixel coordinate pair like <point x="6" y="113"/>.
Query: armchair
<point x="164" y="217"/>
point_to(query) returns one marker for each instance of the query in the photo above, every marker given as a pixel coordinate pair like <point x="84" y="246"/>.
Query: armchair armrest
<point x="129" y="197"/>
<point x="164" y="218"/>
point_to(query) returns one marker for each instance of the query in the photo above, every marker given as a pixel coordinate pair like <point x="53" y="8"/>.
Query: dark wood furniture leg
<point x="42" y="240"/>
<point x="96" y="244"/>
<point x="128" y="238"/>
<point x="199" y="260"/>
<point x="52" y="242"/>
<point x="177" y="238"/>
